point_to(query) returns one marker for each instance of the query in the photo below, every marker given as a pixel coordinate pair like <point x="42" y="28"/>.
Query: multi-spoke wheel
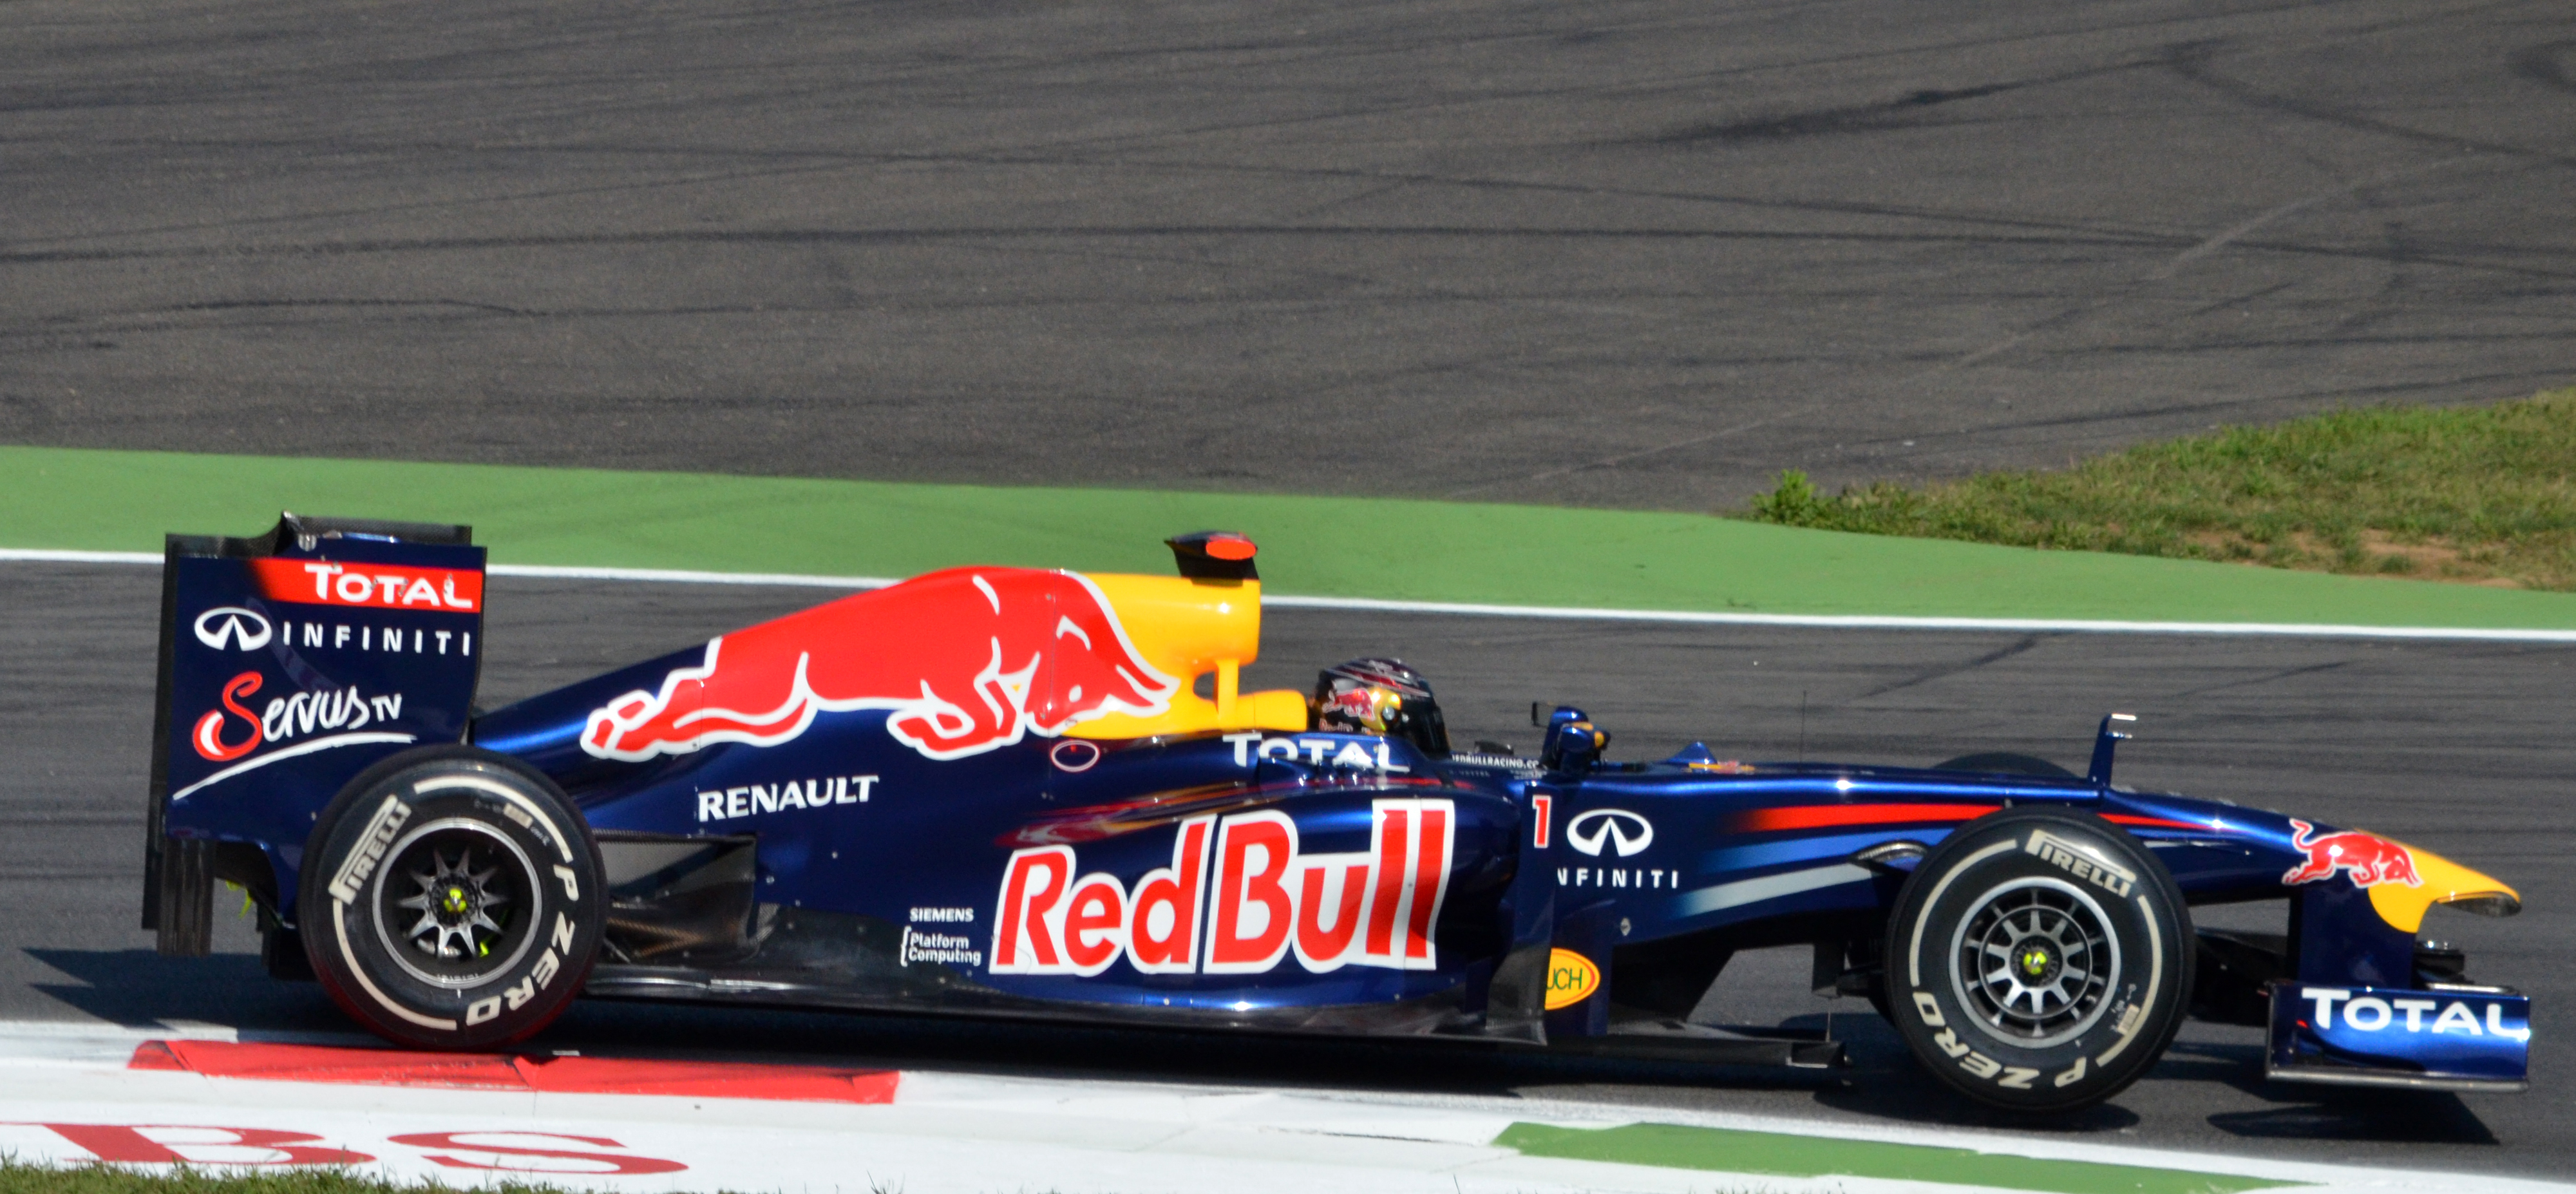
<point x="451" y="898"/>
<point x="2035" y="961"/>
<point x="2039" y="959"/>
<point x="453" y="868"/>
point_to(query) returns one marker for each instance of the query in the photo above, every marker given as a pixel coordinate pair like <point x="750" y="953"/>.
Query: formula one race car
<point x="1009" y="792"/>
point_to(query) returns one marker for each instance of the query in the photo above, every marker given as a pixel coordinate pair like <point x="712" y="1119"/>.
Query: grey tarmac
<point x="1634" y="253"/>
<point x="2458" y="748"/>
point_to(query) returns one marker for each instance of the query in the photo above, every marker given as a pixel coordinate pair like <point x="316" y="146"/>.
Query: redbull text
<point x="2367" y="858"/>
<point x="964" y="661"/>
<point x="1261" y="900"/>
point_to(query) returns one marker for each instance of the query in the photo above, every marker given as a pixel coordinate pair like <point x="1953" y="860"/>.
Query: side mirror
<point x="1572" y="744"/>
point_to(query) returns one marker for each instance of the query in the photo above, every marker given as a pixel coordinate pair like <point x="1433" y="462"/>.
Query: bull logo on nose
<point x="2365" y="858"/>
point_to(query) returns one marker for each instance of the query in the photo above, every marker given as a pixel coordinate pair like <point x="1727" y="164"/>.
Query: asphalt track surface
<point x="2458" y="748"/>
<point x="1625" y="254"/>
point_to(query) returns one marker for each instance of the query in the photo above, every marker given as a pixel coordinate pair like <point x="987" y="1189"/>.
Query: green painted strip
<point x="1405" y="550"/>
<point x="1776" y="1154"/>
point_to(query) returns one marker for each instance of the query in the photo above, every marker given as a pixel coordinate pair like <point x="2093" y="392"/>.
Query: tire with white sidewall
<point x="452" y="898"/>
<point x="2039" y="959"/>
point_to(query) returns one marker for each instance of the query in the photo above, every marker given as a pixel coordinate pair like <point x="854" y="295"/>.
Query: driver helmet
<point x="1380" y="696"/>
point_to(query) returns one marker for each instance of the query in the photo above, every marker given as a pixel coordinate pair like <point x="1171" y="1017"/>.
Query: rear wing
<point x="290" y="662"/>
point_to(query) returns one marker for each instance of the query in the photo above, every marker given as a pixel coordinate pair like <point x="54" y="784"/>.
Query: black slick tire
<point x="451" y="898"/>
<point x="2039" y="960"/>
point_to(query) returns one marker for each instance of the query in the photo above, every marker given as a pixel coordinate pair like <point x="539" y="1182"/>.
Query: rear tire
<point x="2039" y="960"/>
<point x="452" y="899"/>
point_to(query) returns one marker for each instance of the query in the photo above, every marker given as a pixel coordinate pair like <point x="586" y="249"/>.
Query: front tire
<point x="2039" y="960"/>
<point x="452" y="899"/>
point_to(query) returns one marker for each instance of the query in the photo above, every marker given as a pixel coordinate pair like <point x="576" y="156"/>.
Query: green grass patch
<point x="2484" y="495"/>
<point x="20" y="1178"/>
<point x="1320" y="546"/>
<point x="1777" y="1154"/>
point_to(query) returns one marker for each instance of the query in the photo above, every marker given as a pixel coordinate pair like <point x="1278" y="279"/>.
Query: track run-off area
<point x="573" y="1121"/>
<point x="1636" y="254"/>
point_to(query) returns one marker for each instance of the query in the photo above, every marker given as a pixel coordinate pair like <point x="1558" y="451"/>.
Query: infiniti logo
<point x="245" y="629"/>
<point x="1628" y="832"/>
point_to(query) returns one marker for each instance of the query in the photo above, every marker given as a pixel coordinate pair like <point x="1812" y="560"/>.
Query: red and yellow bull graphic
<point x="965" y="661"/>
<point x="1238" y="898"/>
<point x="2366" y="858"/>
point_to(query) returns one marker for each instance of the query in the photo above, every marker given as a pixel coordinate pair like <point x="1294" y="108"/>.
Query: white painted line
<point x="79" y="557"/>
<point x="1892" y="622"/>
<point x="545" y="571"/>
<point x="1552" y="612"/>
<point x="677" y="576"/>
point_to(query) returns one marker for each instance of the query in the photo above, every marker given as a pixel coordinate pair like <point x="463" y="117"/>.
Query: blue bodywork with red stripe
<point x="1271" y="879"/>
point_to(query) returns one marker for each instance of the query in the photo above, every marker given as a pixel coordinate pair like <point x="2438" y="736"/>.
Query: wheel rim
<point x="2035" y="962"/>
<point x="456" y="902"/>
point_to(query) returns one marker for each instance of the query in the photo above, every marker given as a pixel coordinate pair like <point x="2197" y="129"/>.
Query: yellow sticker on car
<point x="1571" y="978"/>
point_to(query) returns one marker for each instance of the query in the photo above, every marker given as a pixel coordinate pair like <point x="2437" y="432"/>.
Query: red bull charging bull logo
<point x="2366" y="858"/>
<point x="965" y="661"/>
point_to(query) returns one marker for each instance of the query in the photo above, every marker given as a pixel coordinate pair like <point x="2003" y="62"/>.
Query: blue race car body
<point x="1002" y="791"/>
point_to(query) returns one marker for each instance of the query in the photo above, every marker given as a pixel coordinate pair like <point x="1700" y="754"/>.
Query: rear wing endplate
<point x="290" y="662"/>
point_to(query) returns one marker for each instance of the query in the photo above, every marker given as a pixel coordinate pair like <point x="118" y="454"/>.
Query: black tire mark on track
<point x="2551" y="65"/>
<point x="2192" y="62"/>
<point x="1902" y="113"/>
<point x="1928" y="675"/>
